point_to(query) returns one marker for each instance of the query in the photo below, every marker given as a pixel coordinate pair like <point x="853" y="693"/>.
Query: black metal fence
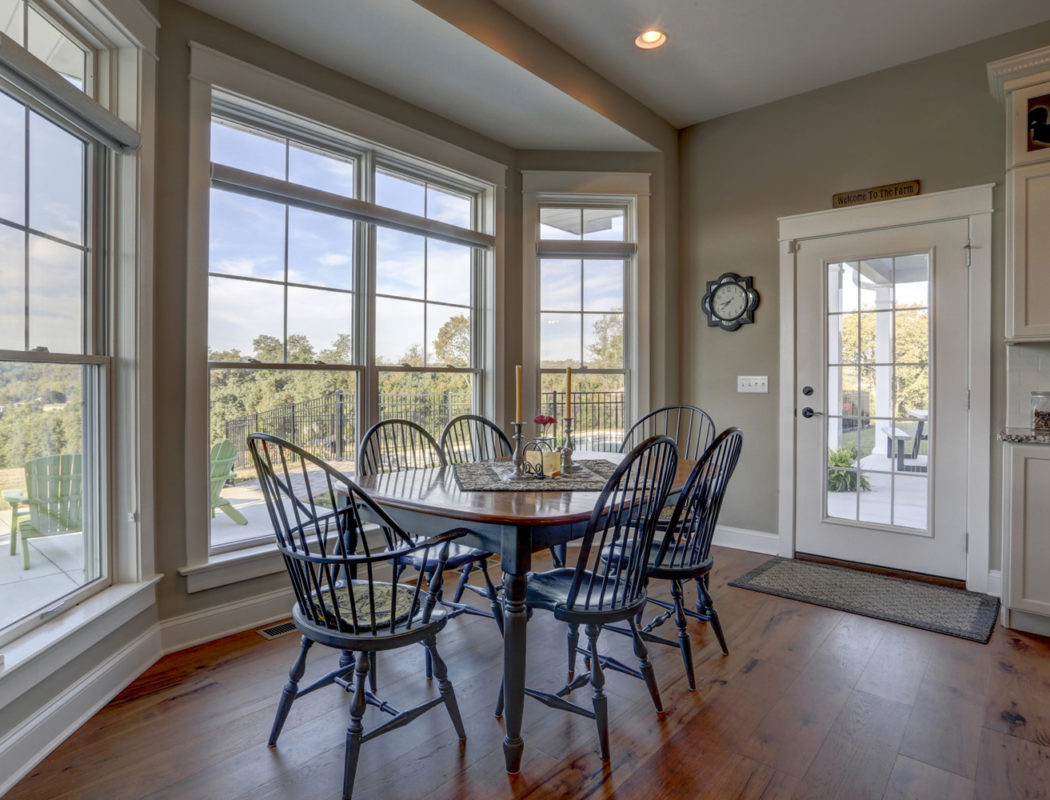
<point x="598" y="417"/>
<point x="325" y="426"/>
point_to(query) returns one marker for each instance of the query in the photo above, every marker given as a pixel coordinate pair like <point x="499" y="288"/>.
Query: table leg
<point x="514" y="629"/>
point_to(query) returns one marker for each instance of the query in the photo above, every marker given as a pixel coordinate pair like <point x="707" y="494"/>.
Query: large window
<point x="57" y="330"/>
<point x="584" y="285"/>
<point x="344" y="284"/>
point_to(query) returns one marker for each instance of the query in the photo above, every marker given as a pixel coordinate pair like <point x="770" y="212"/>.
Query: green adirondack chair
<point x="54" y="490"/>
<point x="223" y="454"/>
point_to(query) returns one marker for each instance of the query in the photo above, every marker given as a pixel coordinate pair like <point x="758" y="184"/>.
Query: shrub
<point x="845" y="480"/>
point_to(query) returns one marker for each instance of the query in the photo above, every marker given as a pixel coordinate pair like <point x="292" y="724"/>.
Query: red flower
<point x="543" y="419"/>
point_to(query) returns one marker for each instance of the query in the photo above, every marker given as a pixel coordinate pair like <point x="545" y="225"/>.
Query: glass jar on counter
<point x="1041" y="411"/>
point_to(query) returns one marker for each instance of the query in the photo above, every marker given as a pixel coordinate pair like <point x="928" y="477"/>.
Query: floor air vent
<point x="277" y="630"/>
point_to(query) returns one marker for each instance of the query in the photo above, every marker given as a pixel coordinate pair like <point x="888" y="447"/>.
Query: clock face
<point x="729" y="301"/>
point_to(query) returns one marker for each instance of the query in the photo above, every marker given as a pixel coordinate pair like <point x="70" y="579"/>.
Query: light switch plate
<point x="758" y="384"/>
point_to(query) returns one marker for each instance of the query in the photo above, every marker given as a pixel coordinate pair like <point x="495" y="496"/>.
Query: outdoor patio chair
<point x="223" y="454"/>
<point x="54" y="493"/>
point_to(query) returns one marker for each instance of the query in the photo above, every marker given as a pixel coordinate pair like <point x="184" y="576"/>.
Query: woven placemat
<point x="956" y="612"/>
<point x="487" y="476"/>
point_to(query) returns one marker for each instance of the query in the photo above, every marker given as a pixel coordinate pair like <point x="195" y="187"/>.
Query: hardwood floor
<point x="810" y="703"/>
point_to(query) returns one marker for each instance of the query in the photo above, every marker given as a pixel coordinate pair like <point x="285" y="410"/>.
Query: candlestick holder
<point x="567" y="448"/>
<point x="518" y="457"/>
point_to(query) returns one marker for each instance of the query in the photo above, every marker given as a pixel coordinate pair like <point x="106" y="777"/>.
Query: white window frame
<point x="594" y="189"/>
<point x="401" y="147"/>
<point x="122" y="35"/>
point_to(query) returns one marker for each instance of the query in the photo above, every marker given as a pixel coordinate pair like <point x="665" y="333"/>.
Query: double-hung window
<point x="345" y="283"/>
<point x="584" y="284"/>
<point x="57" y="329"/>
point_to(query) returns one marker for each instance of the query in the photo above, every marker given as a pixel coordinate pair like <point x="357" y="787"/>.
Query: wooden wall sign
<point x="890" y="191"/>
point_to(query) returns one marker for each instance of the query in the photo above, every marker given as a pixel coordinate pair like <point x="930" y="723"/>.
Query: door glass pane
<point x="911" y="497"/>
<point x="882" y="437"/>
<point x="46" y="456"/>
<point x="314" y="409"/>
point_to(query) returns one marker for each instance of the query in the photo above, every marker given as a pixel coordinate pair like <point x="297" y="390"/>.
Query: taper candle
<point x="517" y="414"/>
<point x="568" y="391"/>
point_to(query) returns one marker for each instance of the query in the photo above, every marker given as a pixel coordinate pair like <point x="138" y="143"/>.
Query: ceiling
<point x="722" y="55"/>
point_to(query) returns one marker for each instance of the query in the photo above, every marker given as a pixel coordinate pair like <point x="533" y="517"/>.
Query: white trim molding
<point x="743" y="539"/>
<point x="188" y="630"/>
<point x="1016" y="72"/>
<point x="974" y="204"/>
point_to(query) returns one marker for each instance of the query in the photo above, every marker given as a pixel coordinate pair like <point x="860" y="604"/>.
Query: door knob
<point x="808" y="412"/>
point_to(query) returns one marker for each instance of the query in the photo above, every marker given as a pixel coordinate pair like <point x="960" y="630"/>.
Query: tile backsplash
<point x="1027" y="370"/>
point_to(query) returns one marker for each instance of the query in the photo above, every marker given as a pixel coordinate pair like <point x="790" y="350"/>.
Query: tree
<point x="607" y="347"/>
<point x="452" y="345"/>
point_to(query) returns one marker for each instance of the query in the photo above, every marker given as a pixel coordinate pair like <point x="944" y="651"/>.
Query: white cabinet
<point x="1026" y="537"/>
<point x="1023" y="83"/>
<point x="1028" y="251"/>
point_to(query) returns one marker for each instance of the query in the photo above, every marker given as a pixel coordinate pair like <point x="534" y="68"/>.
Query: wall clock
<point x="730" y="302"/>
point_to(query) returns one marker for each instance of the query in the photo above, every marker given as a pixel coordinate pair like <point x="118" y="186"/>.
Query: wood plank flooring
<point x="810" y="703"/>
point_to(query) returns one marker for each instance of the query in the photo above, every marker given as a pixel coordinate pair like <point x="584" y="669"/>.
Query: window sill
<point x="33" y="657"/>
<point x="222" y="569"/>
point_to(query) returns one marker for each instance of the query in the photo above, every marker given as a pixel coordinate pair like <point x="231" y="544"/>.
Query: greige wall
<point x="180" y="25"/>
<point x="933" y="119"/>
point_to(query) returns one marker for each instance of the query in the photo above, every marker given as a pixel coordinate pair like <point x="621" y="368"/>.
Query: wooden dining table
<point x="512" y="524"/>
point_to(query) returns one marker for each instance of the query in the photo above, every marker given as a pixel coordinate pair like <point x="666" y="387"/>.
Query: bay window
<point x="345" y="285"/>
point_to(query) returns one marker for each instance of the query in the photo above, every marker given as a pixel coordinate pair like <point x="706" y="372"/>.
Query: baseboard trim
<point x="188" y="630"/>
<point x="995" y="583"/>
<point x="745" y="539"/>
<point x="32" y="740"/>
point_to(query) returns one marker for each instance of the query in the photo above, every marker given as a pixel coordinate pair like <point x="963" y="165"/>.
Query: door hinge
<point x="968" y="248"/>
<point x="793" y="246"/>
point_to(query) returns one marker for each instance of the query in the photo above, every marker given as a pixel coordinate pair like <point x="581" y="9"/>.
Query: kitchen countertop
<point x="1024" y="436"/>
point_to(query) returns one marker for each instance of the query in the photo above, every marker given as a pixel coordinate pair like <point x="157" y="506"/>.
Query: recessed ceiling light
<point x="652" y="38"/>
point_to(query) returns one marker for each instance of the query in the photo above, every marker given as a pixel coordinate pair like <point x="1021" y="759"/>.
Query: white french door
<point x="882" y="402"/>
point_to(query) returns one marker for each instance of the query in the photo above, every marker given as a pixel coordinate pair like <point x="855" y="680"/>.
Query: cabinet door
<point x="1028" y="472"/>
<point x="1028" y="253"/>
